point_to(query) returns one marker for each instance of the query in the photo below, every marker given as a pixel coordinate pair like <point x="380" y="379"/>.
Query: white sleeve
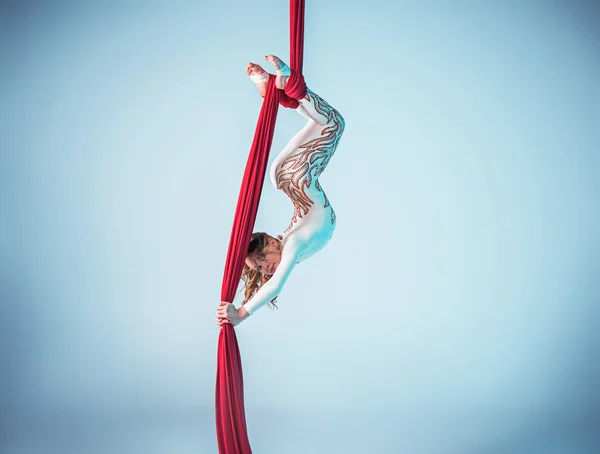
<point x="289" y="257"/>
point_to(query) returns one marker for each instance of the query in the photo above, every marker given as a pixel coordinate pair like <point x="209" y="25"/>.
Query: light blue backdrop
<point x="454" y="311"/>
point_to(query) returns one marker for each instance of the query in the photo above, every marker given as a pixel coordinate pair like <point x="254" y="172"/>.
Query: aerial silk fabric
<point x="232" y="433"/>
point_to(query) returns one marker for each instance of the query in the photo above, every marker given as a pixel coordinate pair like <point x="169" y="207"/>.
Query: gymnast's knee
<point x="338" y="120"/>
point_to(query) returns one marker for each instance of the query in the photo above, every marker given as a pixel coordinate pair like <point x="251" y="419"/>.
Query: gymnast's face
<point x="267" y="260"/>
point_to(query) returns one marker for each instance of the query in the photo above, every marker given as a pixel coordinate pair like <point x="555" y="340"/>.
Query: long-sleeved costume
<point x="296" y="172"/>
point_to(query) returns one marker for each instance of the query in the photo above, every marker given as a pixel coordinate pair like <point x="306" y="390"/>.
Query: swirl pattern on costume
<point x="298" y="171"/>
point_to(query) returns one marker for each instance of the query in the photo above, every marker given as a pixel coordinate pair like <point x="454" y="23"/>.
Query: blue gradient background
<point x="454" y="311"/>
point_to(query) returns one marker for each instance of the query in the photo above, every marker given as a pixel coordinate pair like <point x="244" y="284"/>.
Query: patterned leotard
<point x="296" y="172"/>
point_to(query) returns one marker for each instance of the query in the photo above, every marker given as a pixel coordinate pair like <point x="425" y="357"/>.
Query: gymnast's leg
<point x="317" y="141"/>
<point x="311" y="149"/>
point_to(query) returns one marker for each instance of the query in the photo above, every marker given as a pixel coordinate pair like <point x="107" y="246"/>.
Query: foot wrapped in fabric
<point x="259" y="76"/>
<point x="289" y="80"/>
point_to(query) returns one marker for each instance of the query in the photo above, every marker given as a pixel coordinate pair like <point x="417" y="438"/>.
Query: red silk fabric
<point x="232" y="433"/>
<point x="296" y="87"/>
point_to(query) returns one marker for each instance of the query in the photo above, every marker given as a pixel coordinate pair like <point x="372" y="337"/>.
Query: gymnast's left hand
<point x="227" y="313"/>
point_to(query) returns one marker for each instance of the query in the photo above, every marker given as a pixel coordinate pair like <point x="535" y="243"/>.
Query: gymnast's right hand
<point x="220" y="318"/>
<point x="227" y="313"/>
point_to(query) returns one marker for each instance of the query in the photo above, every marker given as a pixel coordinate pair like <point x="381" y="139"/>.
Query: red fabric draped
<point x="296" y="34"/>
<point x="296" y="87"/>
<point x="232" y="434"/>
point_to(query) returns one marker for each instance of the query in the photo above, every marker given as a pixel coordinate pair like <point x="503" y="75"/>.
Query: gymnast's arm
<point x="289" y="257"/>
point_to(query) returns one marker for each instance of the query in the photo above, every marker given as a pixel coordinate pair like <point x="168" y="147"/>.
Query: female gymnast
<point x="296" y="171"/>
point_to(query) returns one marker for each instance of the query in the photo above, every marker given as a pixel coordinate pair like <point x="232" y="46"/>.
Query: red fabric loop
<point x="286" y="101"/>
<point x="296" y="87"/>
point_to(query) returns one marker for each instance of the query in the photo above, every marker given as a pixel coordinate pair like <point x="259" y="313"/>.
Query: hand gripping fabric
<point x="232" y="434"/>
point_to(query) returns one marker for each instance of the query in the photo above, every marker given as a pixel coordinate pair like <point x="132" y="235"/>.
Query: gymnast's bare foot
<point x="281" y="80"/>
<point x="262" y="81"/>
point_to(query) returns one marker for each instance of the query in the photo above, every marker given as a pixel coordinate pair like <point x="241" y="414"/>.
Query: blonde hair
<point x="253" y="279"/>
